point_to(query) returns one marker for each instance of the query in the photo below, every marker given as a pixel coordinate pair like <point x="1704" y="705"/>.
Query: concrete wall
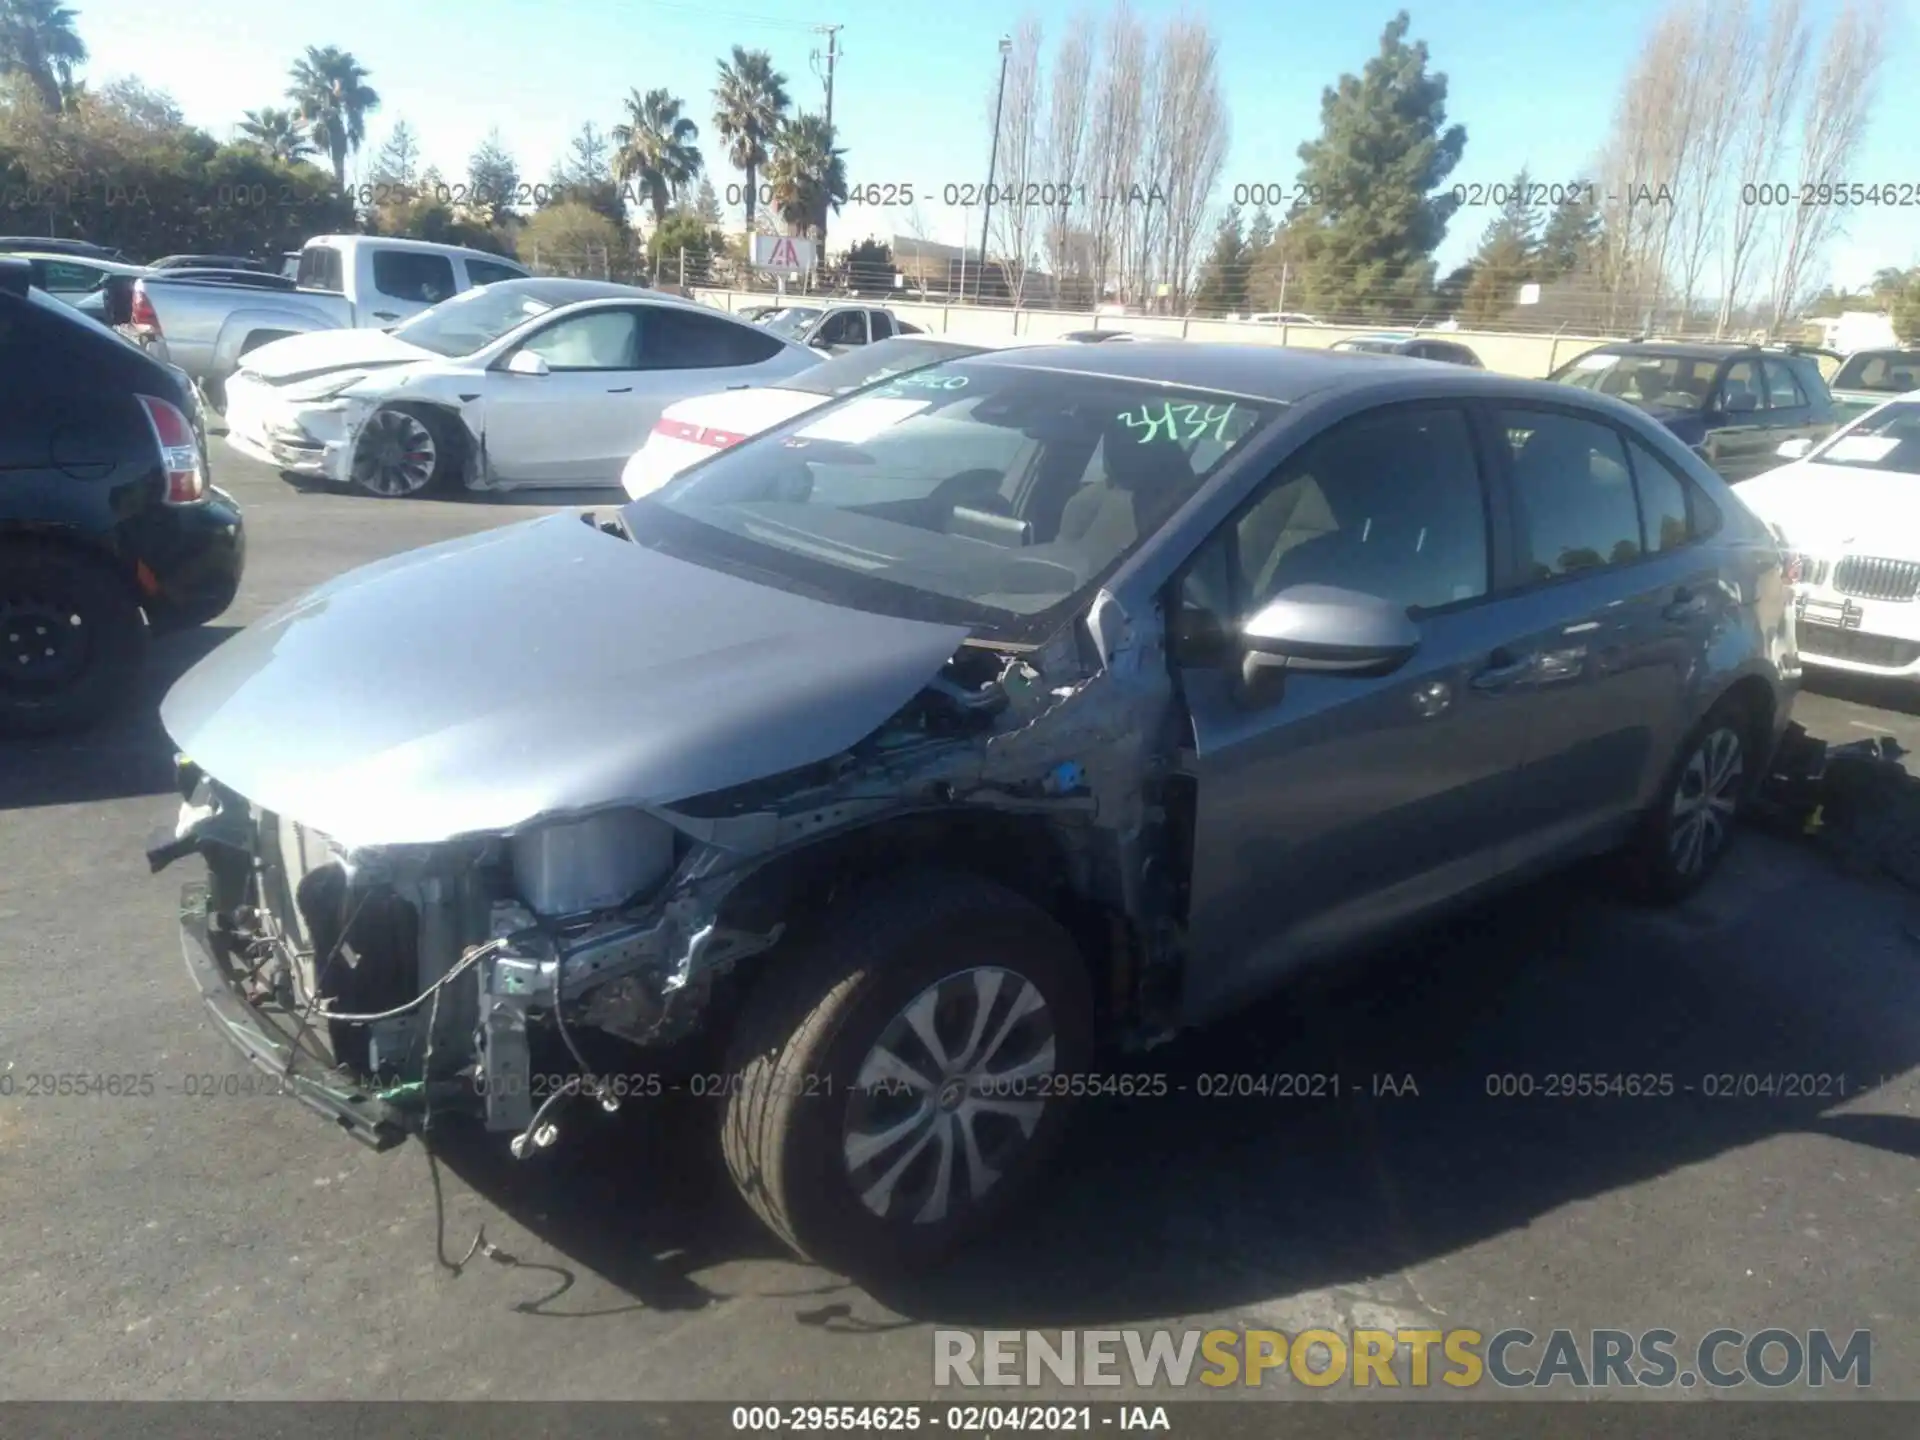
<point x="1511" y="354"/>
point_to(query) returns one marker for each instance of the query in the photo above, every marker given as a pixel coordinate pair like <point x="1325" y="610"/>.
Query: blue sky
<point x="1533" y="83"/>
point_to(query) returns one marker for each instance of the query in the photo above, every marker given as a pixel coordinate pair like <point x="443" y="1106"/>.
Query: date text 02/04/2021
<point x="962" y="1420"/>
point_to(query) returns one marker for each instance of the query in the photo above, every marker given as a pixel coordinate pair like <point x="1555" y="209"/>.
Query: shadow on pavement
<point x="1878" y="692"/>
<point x="1187" y="1204"/>
<point x="127" y="754"/>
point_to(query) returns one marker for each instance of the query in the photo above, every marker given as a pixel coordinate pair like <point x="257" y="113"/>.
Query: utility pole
<point x="832" y="32"/>
<point x="993" y="160"/>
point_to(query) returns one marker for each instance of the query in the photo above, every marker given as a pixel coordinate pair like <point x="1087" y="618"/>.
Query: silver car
<point x="911" y="792"/>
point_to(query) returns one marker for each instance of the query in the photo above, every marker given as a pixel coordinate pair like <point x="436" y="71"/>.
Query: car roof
<point x="1276" y="373"/>
<point x="1683" y="349"/>
<point x="397" y="242"/>
<point x="564" y="290"/>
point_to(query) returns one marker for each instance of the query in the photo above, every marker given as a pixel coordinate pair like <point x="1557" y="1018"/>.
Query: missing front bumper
<point x="274" y="1050"/>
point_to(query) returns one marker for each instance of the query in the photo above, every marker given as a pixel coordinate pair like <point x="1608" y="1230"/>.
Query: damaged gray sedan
<point x="878" y="774"/>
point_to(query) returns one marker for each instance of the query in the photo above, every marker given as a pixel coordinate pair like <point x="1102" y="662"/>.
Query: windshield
<point x="1887" y="440"/>
<point x="790" y="324"/>
<point x="976" y="494"/>
<point x="875" y="362"/>
<point x="1673" y="382"/>
<point x="471" y="320"/>
<point x="1880" y="372"/>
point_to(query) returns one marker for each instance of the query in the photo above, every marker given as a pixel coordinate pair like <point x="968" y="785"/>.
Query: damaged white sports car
<point x="543" y="382"/>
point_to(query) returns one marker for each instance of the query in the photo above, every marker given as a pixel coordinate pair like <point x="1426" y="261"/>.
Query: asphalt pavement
<point x="202" y="1241"/>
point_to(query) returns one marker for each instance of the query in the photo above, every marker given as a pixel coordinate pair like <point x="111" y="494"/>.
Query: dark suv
<point x="1734" y="404"/>
<point x="108" y="526"/>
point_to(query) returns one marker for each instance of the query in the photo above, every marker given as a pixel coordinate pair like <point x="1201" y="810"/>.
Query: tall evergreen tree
<point x="1509" y="255"/>
<point x="1571" y="239"/>
<point x="1376" y="211"/>
<point x="1223" y="276"/>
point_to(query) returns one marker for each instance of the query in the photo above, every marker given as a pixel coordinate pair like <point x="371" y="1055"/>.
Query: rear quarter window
<point x="320" y="269"/>
<point x="409" y="275"/>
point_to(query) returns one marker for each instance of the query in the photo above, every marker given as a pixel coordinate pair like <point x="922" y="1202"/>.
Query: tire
<point x="1687" y="832"/>
<point x="76" y="607"/>
<point x="809" y="1035"/>
<point x="385" y="457"/>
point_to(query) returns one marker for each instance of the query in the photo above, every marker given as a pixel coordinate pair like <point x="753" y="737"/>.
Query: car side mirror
<point x="1329" y="629"/>
<point x="820" y="342"/>
<point x="1795" y="449"/>
<point x="525" y="362"/>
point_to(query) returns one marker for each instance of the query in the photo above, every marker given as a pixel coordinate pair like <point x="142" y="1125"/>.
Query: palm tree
<point x="37" y="40"/>
<point x="656" y="147"/>
<point x="278" y="132"/>
<point x="808" y="175"/>
<point x="750" y="105"/>
<point x="332" y="99"/>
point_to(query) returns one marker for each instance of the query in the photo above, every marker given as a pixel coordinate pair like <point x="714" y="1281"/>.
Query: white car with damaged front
<point x="1847" y="512"/>
<point x="521" y="384"/>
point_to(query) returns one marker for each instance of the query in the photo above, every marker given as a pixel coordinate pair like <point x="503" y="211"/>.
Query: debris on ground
<point x="1856" y="802"/>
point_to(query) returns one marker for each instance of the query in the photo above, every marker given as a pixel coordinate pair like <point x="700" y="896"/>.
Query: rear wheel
<point x="893" y="1089"/>
<point x="1687" y="833"/>
<point x="402" y="453"/>
<point x="72" y="640"/>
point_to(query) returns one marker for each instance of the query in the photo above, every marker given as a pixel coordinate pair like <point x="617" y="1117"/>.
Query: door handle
<point x="621" y="390"/>
<point x="386" y="315"/>
<point x="1687" y="605"/>
<point x="1502" y="670"/>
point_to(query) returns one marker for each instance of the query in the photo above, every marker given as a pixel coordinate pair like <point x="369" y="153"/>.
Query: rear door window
<point x="1572" y="492"/>
<point x="1783" y="391"/>
<point x="422" y="279"/>
<point x="1742" y="391"/>
<point x="687" y="340"/>
<point x="490" y="272"/>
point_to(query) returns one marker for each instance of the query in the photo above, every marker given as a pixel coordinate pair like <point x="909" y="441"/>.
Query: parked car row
<point x="947" y="733"/>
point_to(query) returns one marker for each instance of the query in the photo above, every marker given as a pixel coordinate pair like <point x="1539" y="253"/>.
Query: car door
<point x="1789" y="412"/>
<point x="840" y="332"/>
<point x="1737" y="441"/>
<point x="405" y="282"/>
<point x="1335" y="805"/>
<point x="1599" y="667"/>
<point x="575" y="424"/>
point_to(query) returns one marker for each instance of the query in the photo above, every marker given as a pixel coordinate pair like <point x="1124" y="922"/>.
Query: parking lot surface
<point x="202" y="1241"/>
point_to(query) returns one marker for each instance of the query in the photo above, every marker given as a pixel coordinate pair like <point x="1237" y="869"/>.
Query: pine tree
<point x="707" y="204"/>
<point x="1376" y="211"/>
<point x="1509" y="255"/>
<point x="1223" y="276"/>
<point x="399" y="158"/>
<point x="1571" y="240"/>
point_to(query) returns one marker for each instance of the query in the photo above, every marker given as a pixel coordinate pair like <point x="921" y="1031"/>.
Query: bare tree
<point x="1066" y="140"/>
<point x="1712" y="85"/>
<point x="1770" y="72"/>
<point x="1835" y="123"/>
<point x="1020" y="180"/>
<point x="1143" y="211"/>
<point x="1114" y="142"/>
<point x="1193" y="120"/>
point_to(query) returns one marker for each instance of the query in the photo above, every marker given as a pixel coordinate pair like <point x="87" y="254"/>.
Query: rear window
<point x="488" y="272"/>
<point x="875" y="362"/>
<point x="320" y="269"/>
<point x="1880" y="372"/>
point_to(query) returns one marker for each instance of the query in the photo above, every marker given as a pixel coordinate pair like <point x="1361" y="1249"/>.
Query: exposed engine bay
<point x="390" y="982"/>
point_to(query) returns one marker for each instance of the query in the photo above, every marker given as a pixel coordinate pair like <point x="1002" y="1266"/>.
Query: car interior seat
<point x="1142" y="480"/>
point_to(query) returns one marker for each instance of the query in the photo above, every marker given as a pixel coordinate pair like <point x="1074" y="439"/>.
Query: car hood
<point x="539" y="669"/>
<point x="1829" y="507"/>
<point x="301" y="357"/>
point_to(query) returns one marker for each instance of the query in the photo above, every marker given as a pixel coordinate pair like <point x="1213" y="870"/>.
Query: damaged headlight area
<point x="385" y="983"/>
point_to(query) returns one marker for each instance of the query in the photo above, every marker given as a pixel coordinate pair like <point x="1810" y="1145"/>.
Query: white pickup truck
<point x="344" y="282"/>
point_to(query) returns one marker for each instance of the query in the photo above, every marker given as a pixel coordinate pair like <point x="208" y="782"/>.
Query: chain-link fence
<point x="1573" y="304"/>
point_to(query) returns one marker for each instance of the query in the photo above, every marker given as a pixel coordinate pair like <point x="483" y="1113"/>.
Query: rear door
<point x="397" y="284"/>
<point x="1600" y="663"/>
<point x="1739" y="442"/>
<point x="1789" y="410"/>
<point x="1334" y="805"/>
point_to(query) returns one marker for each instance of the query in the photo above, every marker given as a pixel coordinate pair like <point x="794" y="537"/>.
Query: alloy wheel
<point x="1705" y="800"/>
<point x="396" y="455"/>
<point x="949" y="1095"/>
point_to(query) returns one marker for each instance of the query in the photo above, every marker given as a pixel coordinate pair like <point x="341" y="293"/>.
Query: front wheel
<point x="402" y="453"/>
<point x="899" y="1084"/>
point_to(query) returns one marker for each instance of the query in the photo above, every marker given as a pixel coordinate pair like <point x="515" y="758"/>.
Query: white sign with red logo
<point x="785" y="253"/>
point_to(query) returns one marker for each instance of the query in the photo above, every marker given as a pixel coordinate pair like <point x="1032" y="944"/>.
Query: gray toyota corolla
<point x="878" y="774"/>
